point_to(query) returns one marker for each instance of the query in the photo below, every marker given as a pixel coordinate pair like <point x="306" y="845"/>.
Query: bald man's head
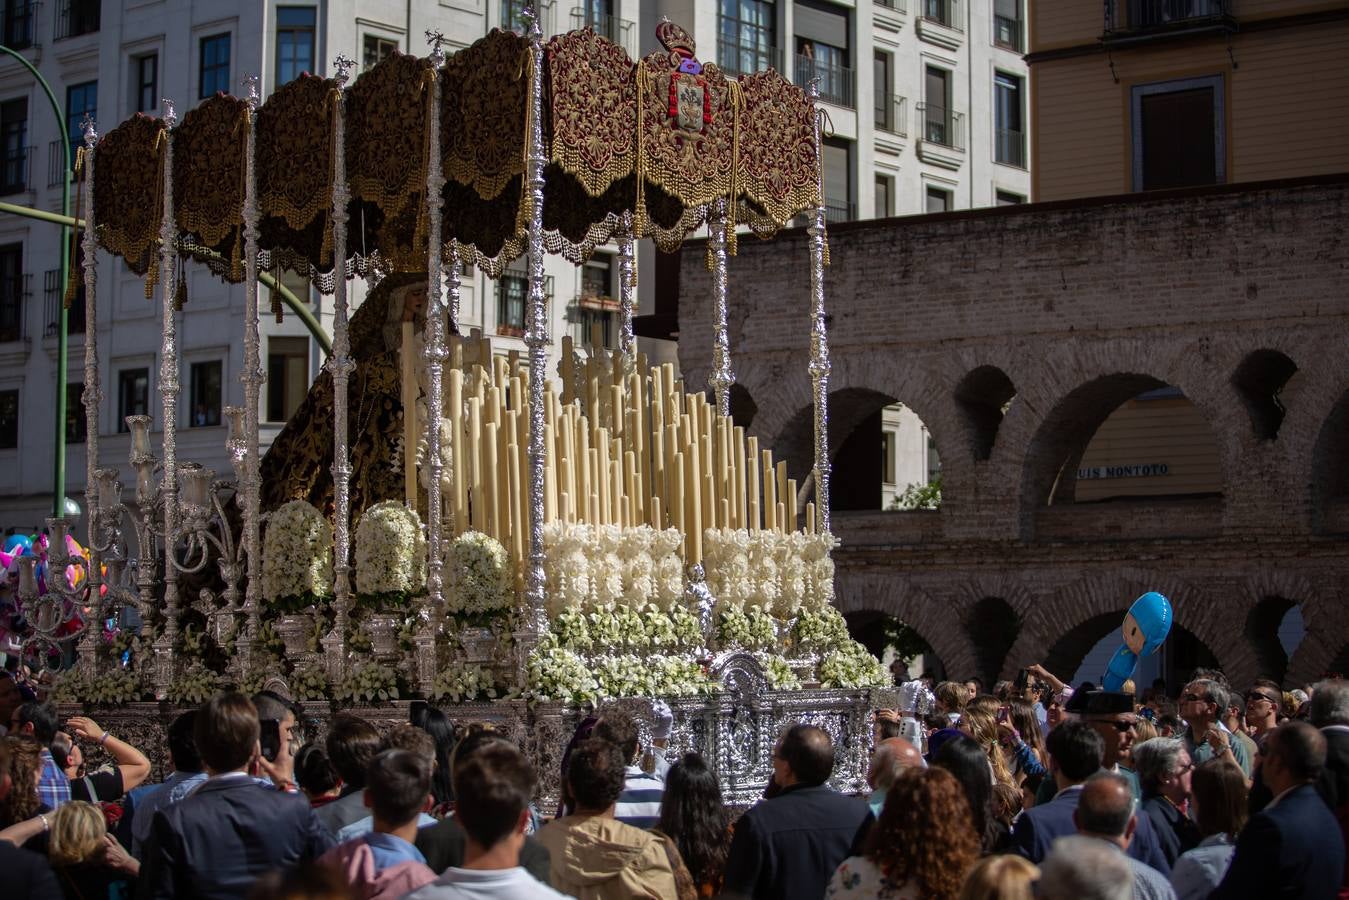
<point x="1106" y="808"/>
<point x="891" y="757"/>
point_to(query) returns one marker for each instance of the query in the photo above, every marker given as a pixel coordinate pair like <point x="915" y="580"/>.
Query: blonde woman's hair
<point x="983" y="727"/>
<point x="77" y="830"/>
<point x="1001" y="878"/>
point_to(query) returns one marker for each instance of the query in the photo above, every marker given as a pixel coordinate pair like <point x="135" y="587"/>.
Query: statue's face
<point x="1133" y="635"/>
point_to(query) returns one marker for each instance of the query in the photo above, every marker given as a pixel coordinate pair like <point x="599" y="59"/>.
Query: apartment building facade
<point x="1138" y="95"/>
<point x="927" y="112"/>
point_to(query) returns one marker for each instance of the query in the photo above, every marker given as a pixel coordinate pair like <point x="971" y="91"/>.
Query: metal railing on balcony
<point x="836" y="210"/>
<point x="1007" y="33"/>
<point x="836" y="82"/>
<point x="76" y="17"/>
<point x="892" y="114"/>
<point x="19" y="19"/>
<point x="1149" y="15"/>
<point x="56" y="164"/>
<point x="13" y="298"/>
<point x="513" y="17"/>
<point x="1010" y="147"/>
<point x="53" y="297"/>
<point x="618" y="30"/>
<point x="940" y="125"/>
<point x="899" y="6"/>
<point x="741" y="59"/>
<point x="16" y="170"/>
<point x="942" y="12"/>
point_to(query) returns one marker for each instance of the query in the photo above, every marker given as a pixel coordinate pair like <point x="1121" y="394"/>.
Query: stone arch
<point x="1106" y="598"/>
<point x="1049" y="467"/>
<point x="981" y="397"/>
<point x="992" y="625"/>
<point x="743" y="407"/>
<point x="1324" y="632"/>
<point x="1259" y="380"/>
<point x="855" y="414"/>
<point x="938" y="623"/>
<point x="1330" y="466"/>
<point x="1262" y="631"/>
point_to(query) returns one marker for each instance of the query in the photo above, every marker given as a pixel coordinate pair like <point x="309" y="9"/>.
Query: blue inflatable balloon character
<point x="1146" y="626"/>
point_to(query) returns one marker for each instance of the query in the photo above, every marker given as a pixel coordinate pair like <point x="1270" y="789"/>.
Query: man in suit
<point x="27" y="875"/>
<point x="219" y="839"/>
<point x="352" y="742"/>
<point x="1294" y="847"/>
<point x="789" y="846"/>
<point x="1075" y="752"/>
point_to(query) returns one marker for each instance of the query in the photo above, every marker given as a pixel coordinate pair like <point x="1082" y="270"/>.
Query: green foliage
<point x="908" y="644"/>
<point x="919" y="496"/>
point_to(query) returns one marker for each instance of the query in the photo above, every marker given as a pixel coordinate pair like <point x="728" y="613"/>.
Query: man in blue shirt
<point x="38" y="721"/>
<point x="187" y="774"/>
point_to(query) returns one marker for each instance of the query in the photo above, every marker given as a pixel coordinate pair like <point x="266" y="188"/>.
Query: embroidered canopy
<point x="660" y="139"/>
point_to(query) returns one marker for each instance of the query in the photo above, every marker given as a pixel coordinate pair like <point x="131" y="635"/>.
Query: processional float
<point x="619" y="537"/>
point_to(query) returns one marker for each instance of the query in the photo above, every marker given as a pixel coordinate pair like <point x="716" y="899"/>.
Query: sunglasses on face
<point x="1120" y="726"/>
<point x="1252" y="698"/>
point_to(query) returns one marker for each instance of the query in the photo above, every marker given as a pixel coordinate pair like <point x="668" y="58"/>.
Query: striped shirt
<point x="639" y="804"/>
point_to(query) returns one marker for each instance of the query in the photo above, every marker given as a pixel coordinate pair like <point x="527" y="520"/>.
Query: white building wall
<point x="210" y="327"/>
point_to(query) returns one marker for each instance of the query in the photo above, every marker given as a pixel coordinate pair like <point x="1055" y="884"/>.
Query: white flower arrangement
<point x="733" y="628"/>
<point x="778" y="672"/>
<point x="659" y="628"/>
<point x="464" y="684"/>
<point x="819" y="571"/>
<point x="824" y="629"/>
<point x="763" y="631"/>
<point x="625" y="675"/>
<point x="851" y="666"/>
<point x="680" y="676"/>
<point x="590" y="568"/>
<point x="297" y="557"/>
<point x="572" y="629"/>
<point x="195" y="686"/>
<point x="368" y="683"/>
<point x="113" y="689"/>
<point x="559" y="675"/>
<point x="780" y="572"/>
<point x="688" y="630"/>
<point x="481" y="579"/>
<point x="390" y="551"/>
<point x="604" y="629"/>
<point x="309" y="683"/>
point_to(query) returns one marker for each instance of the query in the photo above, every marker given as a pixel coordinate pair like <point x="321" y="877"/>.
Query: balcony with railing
<point x="836" y="82"/>
<point x="942" y="126"/>
<point x="1007" y="33"/>
<point x="16" y="171"/>
<point x="14" y="296"/>
<point x="620" y="31"/>
<point x="1135" y="20"/>
<point x="18" y="27"/>
<point x="53" y="297"/>
<point x="892" y="115"/>
<point x="77" y="17"/>
<point x="56" y="164"/>
<point x="513" y="17"/>
<point x="938" y="22"/>
<point x="1010" y="147"/>
<point x="741" y="59"/>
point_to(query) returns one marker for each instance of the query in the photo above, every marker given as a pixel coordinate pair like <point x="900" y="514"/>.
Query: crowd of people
<point x="1032" y="790"/>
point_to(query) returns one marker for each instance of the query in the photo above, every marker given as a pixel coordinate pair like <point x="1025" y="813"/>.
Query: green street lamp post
<point x="62" y="339"/>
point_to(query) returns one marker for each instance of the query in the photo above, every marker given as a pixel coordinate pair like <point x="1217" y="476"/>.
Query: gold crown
<point x="675" y="39"/>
